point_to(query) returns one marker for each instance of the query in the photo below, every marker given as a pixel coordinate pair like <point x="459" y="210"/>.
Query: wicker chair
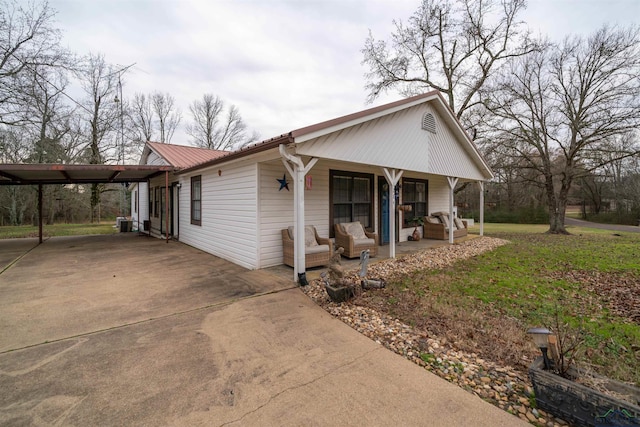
<point x="315" y="255"/>
<point x="353" y="245"/>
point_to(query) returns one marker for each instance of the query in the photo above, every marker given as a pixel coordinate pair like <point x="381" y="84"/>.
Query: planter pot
<point x="339" y="294"/>
<point x="581" y="405"/>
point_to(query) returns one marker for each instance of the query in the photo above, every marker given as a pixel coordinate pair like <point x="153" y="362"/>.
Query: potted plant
<point x="416" y="221"/>
<point x="562" y="390"/>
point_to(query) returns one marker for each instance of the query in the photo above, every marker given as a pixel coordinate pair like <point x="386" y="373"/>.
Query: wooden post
<point x="452" y="184"/>
<point x="392" y="176"/>
<point x="481" y="185"/>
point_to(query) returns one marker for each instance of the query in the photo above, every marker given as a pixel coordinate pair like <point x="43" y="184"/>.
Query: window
<point x="150" y="202"/>
<point x="351" y="197"/>
<point x="156" y="202"/>
<point x="135" y="201"/>
<point x="414" y="193"/>
<point x="429" y="122"/>
<point x="196" y="200"/>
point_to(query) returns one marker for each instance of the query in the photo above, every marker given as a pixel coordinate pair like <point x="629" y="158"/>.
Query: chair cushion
<point x="459" y="223"/>
<point x="444" y="219"/>
<point x="309" y="235"/>
<point x="355" y="229"/>
<point x="363" y="242"/>
<point x="317" y="249"/>
<point x="433" y="220"/>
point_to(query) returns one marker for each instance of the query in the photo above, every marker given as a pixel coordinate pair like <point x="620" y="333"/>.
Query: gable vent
<point x="429" y="122"/>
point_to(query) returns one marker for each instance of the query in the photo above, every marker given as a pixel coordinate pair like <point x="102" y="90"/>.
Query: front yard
<point x="479" y="307"/>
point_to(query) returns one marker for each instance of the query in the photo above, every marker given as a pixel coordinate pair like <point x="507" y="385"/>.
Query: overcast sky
<point x="284" y="64"/>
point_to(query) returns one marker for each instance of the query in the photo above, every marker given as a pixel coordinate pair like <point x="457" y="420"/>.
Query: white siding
<point x="438" y="194"/>
<point x="276" y="207"/>
<point x="229" y="213"/>
<point x="398" y="141"/>
<point x="142" y="190"/>
<point x="154" y="159"/>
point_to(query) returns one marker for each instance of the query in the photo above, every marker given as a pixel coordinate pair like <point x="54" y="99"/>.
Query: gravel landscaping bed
<point x="503" y="386"/>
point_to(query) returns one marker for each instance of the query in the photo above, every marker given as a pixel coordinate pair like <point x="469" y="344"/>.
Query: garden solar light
<point x="541" y="339"/>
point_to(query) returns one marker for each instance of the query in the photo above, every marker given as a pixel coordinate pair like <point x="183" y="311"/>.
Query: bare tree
<point x="212" y="128"/>
<point x="141" y="113"/>
<point x="168" y="117"/>
<point x="99" y="81"/>
<point x="557" y="109"/>
<point x="453" y="47"/>
<point x="28" y="41"/>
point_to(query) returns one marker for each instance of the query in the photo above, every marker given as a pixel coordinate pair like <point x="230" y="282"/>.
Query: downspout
<point x="298" y="173"/>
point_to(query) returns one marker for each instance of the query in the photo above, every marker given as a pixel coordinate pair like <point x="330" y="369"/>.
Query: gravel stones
<point x="502" y="386"/>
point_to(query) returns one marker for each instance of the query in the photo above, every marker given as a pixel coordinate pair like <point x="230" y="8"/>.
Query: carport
<point x="61" y="174"/>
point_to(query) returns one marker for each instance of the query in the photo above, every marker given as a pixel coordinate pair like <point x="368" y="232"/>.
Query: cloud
<point x="284" y="63"/>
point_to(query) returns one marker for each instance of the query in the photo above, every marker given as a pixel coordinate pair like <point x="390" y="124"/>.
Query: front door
<point x="384" y="209"/>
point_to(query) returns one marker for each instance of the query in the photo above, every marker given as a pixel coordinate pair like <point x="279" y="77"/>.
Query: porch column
<point x="296" y="168"/>
<point x="481" y="185"/>
<point x="452" y="184"/>
<point x="392" y="176"/>
<point x="166" y="205"/>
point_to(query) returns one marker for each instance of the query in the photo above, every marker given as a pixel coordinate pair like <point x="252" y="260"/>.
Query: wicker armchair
<point x="315" y="255"/>
<point x="354" y="244"/>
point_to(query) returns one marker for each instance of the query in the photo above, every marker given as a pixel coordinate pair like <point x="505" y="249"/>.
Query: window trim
<point x="406" y="216"/>
<point x="198" y="179"/>
<point x="371" y="177"/>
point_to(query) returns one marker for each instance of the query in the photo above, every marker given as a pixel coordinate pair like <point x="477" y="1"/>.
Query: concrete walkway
<point x="216" y="349"/>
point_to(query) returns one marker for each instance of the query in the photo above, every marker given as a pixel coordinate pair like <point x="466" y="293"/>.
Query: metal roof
<point x="28" y="174"/>
<point x="183" y="156"/>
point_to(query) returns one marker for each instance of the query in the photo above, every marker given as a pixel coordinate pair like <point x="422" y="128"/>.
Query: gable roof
<point x="182" y="156"/>
<point x="323" y="128"/>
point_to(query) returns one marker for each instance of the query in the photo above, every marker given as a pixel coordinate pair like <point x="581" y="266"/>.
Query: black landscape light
<point x="541" y="339"/>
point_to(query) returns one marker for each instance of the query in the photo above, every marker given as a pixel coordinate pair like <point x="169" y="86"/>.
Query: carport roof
<point x="29" y="174"/>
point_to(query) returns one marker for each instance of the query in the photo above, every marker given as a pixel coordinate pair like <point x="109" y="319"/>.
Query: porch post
<point x="392" y="176"/>
<point x="298" y="172"/>
<point x="452" y="184"/>
<point x="481" y="185"/>
<point x="166" y="205"/>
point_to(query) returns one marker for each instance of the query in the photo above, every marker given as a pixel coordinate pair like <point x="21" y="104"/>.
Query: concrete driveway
<point x="127" y="330"/>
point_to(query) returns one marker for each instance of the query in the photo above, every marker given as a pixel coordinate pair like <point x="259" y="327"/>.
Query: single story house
<point x="357" y="167"/>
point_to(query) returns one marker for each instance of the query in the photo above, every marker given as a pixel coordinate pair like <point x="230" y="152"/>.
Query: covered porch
<point x="384" y="252"/>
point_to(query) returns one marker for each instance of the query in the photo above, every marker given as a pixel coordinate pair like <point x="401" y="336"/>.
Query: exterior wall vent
<point x="429" y="122"/>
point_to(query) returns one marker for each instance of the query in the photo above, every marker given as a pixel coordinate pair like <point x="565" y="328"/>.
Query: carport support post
<point x="392" y="176"/>
<point x="298" y="172"/>
<point x="481" y="185"/>
<point x="39" y="213"/>
<point x="452" y="184"/>
<point x="166" y="205"/>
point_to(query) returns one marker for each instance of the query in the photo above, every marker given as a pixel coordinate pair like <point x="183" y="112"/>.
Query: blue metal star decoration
<point x="283" y="182"/>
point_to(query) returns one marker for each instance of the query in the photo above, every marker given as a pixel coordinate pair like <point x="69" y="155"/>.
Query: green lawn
<point x="12" y="232"/>
<point x="591" y="279"/>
